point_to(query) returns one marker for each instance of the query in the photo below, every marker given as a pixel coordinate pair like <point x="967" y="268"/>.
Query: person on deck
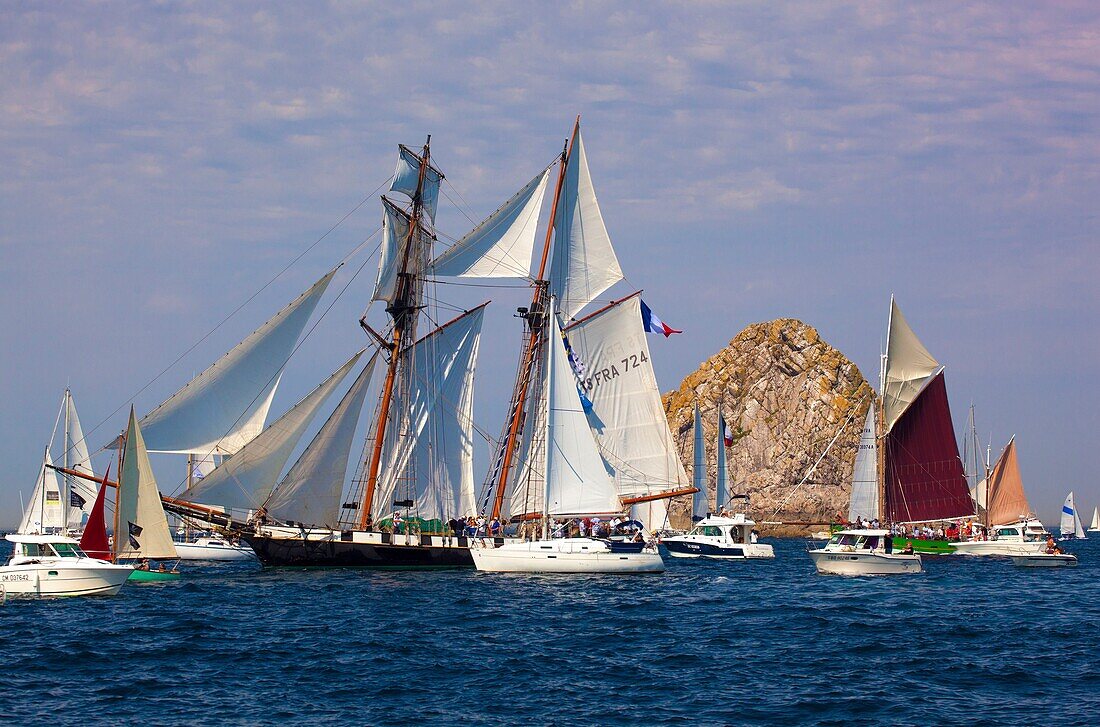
<point x="398" y="522"/>
<point x="495" y="528"/>
<point x="368" y="524"/>
<point x="908" y="549"/>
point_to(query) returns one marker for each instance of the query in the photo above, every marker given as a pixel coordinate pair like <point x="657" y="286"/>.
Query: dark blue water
<point x="970" y="640"/>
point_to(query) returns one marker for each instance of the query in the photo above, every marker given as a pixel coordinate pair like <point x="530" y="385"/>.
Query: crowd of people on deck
<point x="952" y="531"/>
<point x="484" y="527"/>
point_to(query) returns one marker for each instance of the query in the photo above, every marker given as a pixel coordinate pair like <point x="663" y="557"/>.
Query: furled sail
<point x="1070" y="523"/>
<point x="583" y="263"/>
<point x="310" y="492"/>
<point x="577" y="481"/>
<point x="226" y="405"/>
<point x="700" y="507"/>
<point x="501" y="246"/>
<point x="924" y="475"/>
<point x="610" y="355"/>
<point x="721" y="477"/>
<point x="142" y="527"/>
<point x="406" y="176"/>
<point x="81" y="493"/>
<point x="431" y="461"/>
<point x="43" y="511"/>
<point x="909" y="367"/>
<point x="864" y="503"/>
<point x="1007" y="501"/>
<point x="245" y="480"/>
<point x="395" y="235"/>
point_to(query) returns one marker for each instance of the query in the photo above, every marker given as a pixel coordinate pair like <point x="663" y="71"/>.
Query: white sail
<point x="611" y="357"/>
<point x="407" y="174"/>
<point x="501" y="246"/>
<point x="700" y="506"/>
<point x="577" y="481"/>
<point x="721" y="477"/>
<point x="1070" y="523"/>
<point x="202" y="465"/>
<point x="395" y="234"/>
<point x="246" y="479"/>
<point x="1095" y="526"/>
<point x="864" y="502"/>
<point x="584" y="263"/>
<point x="82" y="493"/>
<point x="43" y="511"/>
<point x="526" y="493"/>
<point x="226" y="405"/>
<point x="909" y="366"/>
<point x="310" y="492"/>
<point x="653" y="515"/>
<point x="431" y="462"/>
<point x="142" y="527"/>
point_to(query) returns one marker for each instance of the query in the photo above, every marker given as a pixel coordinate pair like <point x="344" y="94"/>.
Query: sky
<point x="164" y="164"/>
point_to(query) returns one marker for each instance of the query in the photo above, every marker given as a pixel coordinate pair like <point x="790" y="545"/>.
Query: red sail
<point x="94" y="540"/>
<point x="924" y="475"/>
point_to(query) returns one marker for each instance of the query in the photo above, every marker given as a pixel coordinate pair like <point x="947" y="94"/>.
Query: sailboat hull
<point x="323" y="548"/>
<point x="566" y="555"/>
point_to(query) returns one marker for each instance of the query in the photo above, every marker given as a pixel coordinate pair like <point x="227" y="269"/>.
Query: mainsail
<point x="1070" y="523"/>
<point x="577" y="480"/>
<point x="501" y="246"/>
<point x="245" y="480"/>
<point x="584" y="263"/>
<point x="1005" y="490"/>
<point x="700" y="507"/>
<point x="431" y="462"/>
<point x="611" y="357"/>
<point x="864" y="503"/>
<point x="721" y="477"/>
<point x="226" y="405"/>
<point x="43" y="511"/>
<point x="141" y="528"/>
<point x="310" y="492"/>
<point x="1095" y="526"/>
<point x="80" y="493"/>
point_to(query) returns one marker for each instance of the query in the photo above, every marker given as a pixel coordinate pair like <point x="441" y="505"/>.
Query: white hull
<point x="1044" y="560"/>
<point x="864" y="563"/>
<point x="214" y="550"/>
<point x="567" y="555"/>
<point x="998" y="547"/>
<point x="90" y="578"/>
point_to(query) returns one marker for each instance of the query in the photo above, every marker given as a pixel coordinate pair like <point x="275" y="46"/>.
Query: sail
<point x="577" y="481"/>
<point x="82" y="493"/>
<point x="1070" y="523"/>
<point x="245" y="480"/>
<point x="610" y="355"/>
<point x="310" y="492"/>
<point x="721" y="477"/>
<point x="501" y="246"/>
<point x="43" y="511"/>
<point x="864" y="503"/>
<point x="526" y="493"/>
<point x="909" y="367"/>
<point x="584" y="263"/>
<point x="431" y="461"/>
<point x="142" y="527"/>
<point x="395" y="235"/>
<point x="653" y="515"/>
<point x="700" y="508"/>
<point x="94" y="540"/>
<point x="1095" y="526"/>
<point x="226" y="405"/>
<point x="924" y="475"/>
<point x="407" y="174"/>
<point x="1007" y="501"/>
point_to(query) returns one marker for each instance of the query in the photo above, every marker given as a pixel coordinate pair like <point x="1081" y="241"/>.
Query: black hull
<point x="296" y="552"/>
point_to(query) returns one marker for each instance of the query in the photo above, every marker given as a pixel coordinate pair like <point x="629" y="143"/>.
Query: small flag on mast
<point x="652" y="324"/>
<point x="75" y="500"/>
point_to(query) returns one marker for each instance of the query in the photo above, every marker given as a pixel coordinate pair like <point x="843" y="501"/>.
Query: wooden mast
<point x="536" y="320"/>
<point x="400" y="309"/>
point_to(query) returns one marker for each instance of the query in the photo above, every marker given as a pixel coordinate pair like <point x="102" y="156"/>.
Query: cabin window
<point x="1007" y="531"/>
<point x="68" y="550"/>
<point x="845" y="539"/>
<point x="37" y="550"/>
<point x="713" y="531"/>
<point x="737" y="534"/>
<point x="872" y="542"/>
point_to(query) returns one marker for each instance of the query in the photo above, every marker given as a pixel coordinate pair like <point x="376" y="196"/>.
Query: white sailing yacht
<point x="1070" y="524"/>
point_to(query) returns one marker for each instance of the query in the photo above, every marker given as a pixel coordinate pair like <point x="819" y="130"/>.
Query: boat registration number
<point x="9" y="577"/>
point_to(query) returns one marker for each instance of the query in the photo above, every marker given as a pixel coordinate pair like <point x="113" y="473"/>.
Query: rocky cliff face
<point x="785" y="394"/>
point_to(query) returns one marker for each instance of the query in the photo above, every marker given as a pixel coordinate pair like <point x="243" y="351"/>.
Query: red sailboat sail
<point x="94" y="540"/>
<point x="924" y="475"/>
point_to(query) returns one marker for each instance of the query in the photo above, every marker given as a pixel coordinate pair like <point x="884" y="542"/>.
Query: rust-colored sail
<point x="1007" y="501"/>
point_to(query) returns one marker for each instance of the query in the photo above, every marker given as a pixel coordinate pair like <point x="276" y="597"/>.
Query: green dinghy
<point x="153" y="576"/>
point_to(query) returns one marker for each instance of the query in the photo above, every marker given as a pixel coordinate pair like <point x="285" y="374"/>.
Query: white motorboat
<point x="1044" y="560"/>
<point x="1027" y="537"/>
<point x="863" y="553"/>
<point x="213" y="547"/>
<point x="54" y="565"/>
<point x="719" y="537"/>
<point x="568" y="555"/>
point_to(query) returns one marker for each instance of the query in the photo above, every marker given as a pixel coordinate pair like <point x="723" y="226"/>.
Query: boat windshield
<point x="68" y="550"/>
<point x="847" y="539"/>
<point x="38" y="550"/>
<point x="1002" y="532"/>
<point x="711" y="530"/>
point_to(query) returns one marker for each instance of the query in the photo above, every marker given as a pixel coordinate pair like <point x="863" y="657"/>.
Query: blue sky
<point x="162" y="162"/>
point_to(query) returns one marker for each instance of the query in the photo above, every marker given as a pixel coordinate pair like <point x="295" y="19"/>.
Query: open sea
<point x="970" y="641"/>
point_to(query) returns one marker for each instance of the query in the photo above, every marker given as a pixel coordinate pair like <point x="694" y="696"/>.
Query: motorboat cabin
<point x="719" y="537"/>
<point x="54" y="565"/>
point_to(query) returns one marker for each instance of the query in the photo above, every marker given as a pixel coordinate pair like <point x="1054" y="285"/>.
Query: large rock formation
<point x="785" y="394"/>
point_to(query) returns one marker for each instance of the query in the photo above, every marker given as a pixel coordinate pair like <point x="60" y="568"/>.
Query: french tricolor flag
<point x="727" y="435"/>
<point x="652" y="324"/>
